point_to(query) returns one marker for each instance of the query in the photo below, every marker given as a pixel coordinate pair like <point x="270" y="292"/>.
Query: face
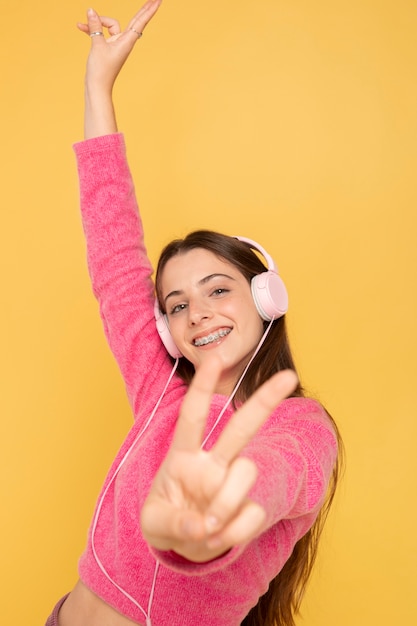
<point x="210" y="308"/>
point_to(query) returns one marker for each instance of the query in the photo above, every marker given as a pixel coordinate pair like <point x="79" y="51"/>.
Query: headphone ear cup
<point x="270" y="295"/>
<point x="164" y="333"/>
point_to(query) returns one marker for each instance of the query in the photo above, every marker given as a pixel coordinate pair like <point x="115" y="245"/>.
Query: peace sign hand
<point x="198" y="505"/>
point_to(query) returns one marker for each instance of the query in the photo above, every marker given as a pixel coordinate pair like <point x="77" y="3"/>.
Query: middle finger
<point x="111" y="24"/>
<point x="244" y="424"/>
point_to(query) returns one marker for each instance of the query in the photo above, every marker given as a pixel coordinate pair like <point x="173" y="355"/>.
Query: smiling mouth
<point x="202" y="341"/>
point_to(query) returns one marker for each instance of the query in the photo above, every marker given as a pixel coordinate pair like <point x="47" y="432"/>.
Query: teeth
<point x="202" y="341"/>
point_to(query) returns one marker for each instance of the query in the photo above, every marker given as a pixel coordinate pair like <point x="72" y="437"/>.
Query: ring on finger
<point x="97" y="32"/>
<point x="137" y="32"/>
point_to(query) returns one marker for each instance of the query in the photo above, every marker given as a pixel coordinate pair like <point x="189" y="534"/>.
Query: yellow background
<point x="291" y="122"/>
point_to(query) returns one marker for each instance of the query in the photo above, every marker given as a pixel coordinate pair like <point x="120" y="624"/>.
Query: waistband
<point x="53" y="618"/>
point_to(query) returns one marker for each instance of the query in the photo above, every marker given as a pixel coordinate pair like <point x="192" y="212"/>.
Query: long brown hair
<point x="279" y="605"/>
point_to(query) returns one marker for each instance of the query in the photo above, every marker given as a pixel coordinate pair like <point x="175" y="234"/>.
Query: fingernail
<point x="189" y="527"/>
<point x="213" y="543"/>
<point x="212" y="523"/>
<point x="91" y="12"/>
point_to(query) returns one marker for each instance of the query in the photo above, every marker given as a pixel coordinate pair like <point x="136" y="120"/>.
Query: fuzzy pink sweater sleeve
<point x="119" y="269"/>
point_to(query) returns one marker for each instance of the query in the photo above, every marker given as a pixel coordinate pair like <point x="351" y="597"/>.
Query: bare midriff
<point x="84" y="608"/>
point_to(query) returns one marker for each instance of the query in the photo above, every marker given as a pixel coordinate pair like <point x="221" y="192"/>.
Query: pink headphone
<point x="268" y="292"/>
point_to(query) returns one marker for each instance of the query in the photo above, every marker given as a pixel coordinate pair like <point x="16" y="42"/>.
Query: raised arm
<point x="119" y="268"/>
<point x="106" y="59"/>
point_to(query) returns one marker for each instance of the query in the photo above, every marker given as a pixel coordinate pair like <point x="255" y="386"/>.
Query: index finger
<point x="143" y="16"/>
<point x="247" y="420"/>
<point x="195" y="406"/>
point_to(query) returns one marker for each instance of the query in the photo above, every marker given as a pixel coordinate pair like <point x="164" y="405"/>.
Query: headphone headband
<point x="256" y="246"/>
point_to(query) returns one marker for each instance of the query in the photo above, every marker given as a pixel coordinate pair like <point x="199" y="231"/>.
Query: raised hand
<point x="108" y="55"/>
<point x="106" y="58"/>
<point x="198" y="505"/>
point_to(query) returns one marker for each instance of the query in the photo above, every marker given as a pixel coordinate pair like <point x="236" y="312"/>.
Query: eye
<point x="177" y="308"/>
<point x="220" y="291"/>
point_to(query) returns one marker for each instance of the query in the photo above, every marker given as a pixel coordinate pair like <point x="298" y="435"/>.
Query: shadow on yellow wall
<point x="291" y="123"/>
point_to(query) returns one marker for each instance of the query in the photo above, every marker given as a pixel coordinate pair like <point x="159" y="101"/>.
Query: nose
<point x="198" y="311"/>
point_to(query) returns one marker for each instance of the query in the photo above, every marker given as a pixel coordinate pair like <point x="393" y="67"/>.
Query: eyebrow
<point x="203" y="281"/>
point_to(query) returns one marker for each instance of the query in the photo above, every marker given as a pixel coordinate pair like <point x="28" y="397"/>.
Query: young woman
<point x="211" y="511"/>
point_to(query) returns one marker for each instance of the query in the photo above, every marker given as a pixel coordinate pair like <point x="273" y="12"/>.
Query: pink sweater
<point x="295" y="450"/>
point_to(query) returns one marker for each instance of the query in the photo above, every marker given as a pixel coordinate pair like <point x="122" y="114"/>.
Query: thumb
<point x="95" y="27"/>
<point x="164" y="526"/>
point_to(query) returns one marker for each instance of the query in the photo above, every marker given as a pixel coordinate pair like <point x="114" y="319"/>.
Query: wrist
<point x="96" y="91"/>
<point x="100" y="118"/>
